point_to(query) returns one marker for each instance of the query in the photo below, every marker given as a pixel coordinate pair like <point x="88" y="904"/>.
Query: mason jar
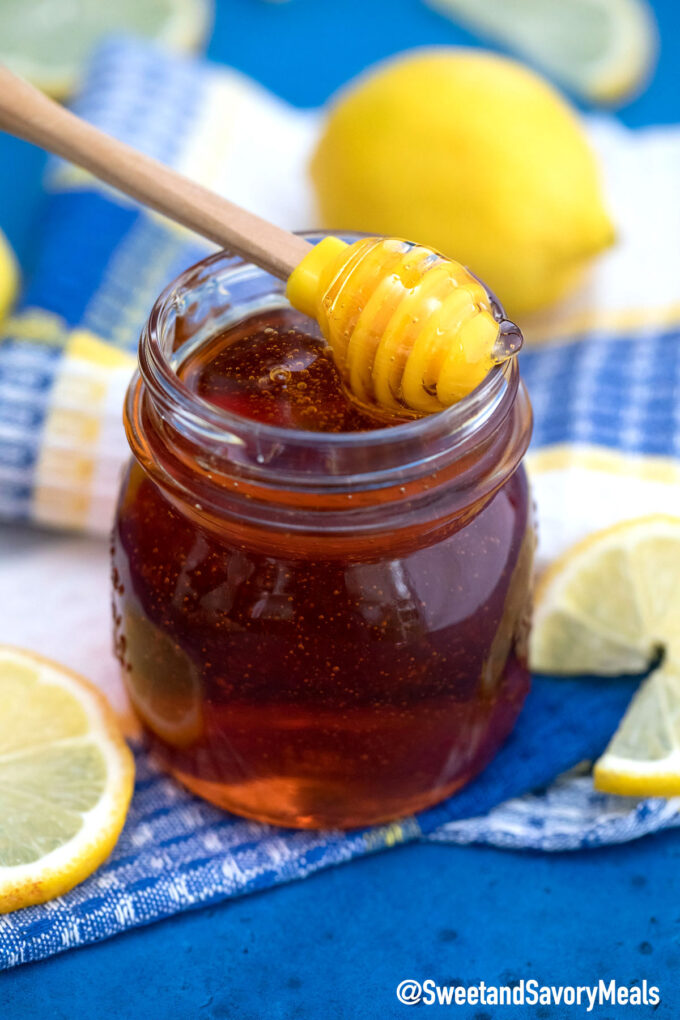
<point x="317" y="629"/>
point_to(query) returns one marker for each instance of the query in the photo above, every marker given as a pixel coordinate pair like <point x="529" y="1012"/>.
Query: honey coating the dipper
<point x="410" y="330"/>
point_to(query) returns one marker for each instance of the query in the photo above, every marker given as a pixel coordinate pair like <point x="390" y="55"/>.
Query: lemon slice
<point x="49" y="43"/>
<point x="162" y="682"/>
<point x="601" y="49"/>
<point x="66" y="778"/>
<point x="611" y="605"/>
<point x="9" y="276"/>
<point x="643" y="759"/>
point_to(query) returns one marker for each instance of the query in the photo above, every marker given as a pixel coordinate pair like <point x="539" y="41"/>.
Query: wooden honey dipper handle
<point x="29" y="114"/>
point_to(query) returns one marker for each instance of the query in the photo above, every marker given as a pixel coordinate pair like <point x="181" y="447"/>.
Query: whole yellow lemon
<point x="472" y="154"/>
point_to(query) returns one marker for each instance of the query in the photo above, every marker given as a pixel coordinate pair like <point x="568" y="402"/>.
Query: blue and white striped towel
<point x="605" y="389"/>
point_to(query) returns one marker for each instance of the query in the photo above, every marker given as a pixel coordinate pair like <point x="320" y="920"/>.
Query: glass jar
<point x="317" y="629"/>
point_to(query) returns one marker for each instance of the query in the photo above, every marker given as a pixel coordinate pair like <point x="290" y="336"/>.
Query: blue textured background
<point x="337" y="944"/>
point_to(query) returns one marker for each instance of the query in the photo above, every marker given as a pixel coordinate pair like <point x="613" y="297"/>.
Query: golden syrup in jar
<point x="294" y="683"/>
<point x="270" y="369"/>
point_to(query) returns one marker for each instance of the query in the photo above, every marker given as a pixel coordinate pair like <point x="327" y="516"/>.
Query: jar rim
<point x="455" y="425"/>
<point x="340" y="490"/>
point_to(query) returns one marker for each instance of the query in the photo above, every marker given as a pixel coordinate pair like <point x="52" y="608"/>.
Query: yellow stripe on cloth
<point x="35" y="326"/>
<point x="82" y="443"/>
<point x="621" y="323"/>
<point x="92" y="349"/>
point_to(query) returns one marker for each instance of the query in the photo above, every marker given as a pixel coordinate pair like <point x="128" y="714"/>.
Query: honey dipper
<point x="409" y="329"/>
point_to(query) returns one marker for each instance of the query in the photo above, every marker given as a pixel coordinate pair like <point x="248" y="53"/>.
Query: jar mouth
<point x="234" y="288"/>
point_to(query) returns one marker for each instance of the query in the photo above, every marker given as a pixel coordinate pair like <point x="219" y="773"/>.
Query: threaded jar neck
<point x="218" y="465"/>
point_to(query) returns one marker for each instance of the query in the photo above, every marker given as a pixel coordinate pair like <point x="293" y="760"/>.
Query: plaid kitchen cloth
<point x="603" y="371"/>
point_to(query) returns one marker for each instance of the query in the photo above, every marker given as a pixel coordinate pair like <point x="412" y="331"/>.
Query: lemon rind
<point x="614" y="773"/>
<point x="68" y="865"/>
<point x="619" y="74"/>
<point x="185" y="31"/>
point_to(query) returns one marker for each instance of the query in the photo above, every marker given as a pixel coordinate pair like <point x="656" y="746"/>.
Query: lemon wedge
<point x="9" y="276"/>
<point x="66" y="778"/>
<point x="603" y="50"/>
<point x="643" y="759"/>
<point x="49" y="43"/>
<point x="611" y="605"/>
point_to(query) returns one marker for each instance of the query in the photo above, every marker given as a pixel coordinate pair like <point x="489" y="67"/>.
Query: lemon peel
<point x="66" y="779"/>
<point x="9" y="276"/>
<point x="603" y="50"/>
<point x="475" y="156"/>
<point x="49" y="44"/>
<point x="611" y="605"/>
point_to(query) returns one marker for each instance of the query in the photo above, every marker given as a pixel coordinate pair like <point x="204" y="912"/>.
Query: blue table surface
<point x="337" y="944"/>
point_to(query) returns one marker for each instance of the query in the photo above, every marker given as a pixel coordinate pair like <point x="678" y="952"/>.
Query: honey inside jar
<point x="269" y="368"/>
<point x="337" y="655"/>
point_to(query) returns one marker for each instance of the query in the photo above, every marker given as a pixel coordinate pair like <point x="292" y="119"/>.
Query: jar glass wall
<point x="317" y="629"/>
